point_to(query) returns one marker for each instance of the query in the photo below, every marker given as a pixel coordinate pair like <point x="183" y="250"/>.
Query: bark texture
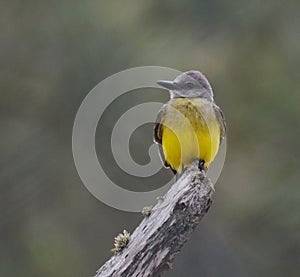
<point x="160" y="236"/>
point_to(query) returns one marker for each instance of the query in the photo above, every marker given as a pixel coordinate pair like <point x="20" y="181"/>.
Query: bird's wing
<point x="158" y="131"/>
<point x="221" y="119"/>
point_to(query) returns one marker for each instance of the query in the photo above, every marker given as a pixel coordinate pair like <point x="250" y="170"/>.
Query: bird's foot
<point x="202" y="165"/>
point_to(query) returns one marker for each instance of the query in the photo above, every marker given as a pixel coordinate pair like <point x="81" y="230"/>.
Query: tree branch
<point x="159" y="237"/>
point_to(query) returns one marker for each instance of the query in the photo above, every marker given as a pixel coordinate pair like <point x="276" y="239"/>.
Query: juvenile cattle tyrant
<point x="190" y="126"/>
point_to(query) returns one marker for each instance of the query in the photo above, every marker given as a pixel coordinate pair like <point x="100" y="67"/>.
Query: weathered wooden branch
<point x="159" y="237"/>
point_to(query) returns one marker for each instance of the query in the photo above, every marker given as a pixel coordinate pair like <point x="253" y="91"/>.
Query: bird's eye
<point x="189" y="85"/>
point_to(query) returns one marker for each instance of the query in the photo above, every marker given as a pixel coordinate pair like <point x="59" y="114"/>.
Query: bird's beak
<point x="171" y="85"/>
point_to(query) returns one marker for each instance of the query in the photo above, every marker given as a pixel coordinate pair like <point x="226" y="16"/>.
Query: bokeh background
<point x="53" y="53"/>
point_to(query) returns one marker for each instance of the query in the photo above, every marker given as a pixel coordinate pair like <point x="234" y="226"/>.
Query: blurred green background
<point x="53" y="53"/>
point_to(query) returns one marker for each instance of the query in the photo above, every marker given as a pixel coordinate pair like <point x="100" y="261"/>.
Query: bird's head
<point x="190" y="84"/>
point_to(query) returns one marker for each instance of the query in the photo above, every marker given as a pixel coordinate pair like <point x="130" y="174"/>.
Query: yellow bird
<point x="190" y="125"/>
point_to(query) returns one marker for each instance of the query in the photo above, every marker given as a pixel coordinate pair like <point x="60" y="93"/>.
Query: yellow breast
<point x="190" y="131"/>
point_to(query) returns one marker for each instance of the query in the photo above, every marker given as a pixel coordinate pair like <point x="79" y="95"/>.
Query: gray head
<point x="190" y="84"/>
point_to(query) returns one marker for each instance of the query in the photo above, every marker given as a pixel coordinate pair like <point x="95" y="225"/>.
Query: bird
<point x="190" y="126"/>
